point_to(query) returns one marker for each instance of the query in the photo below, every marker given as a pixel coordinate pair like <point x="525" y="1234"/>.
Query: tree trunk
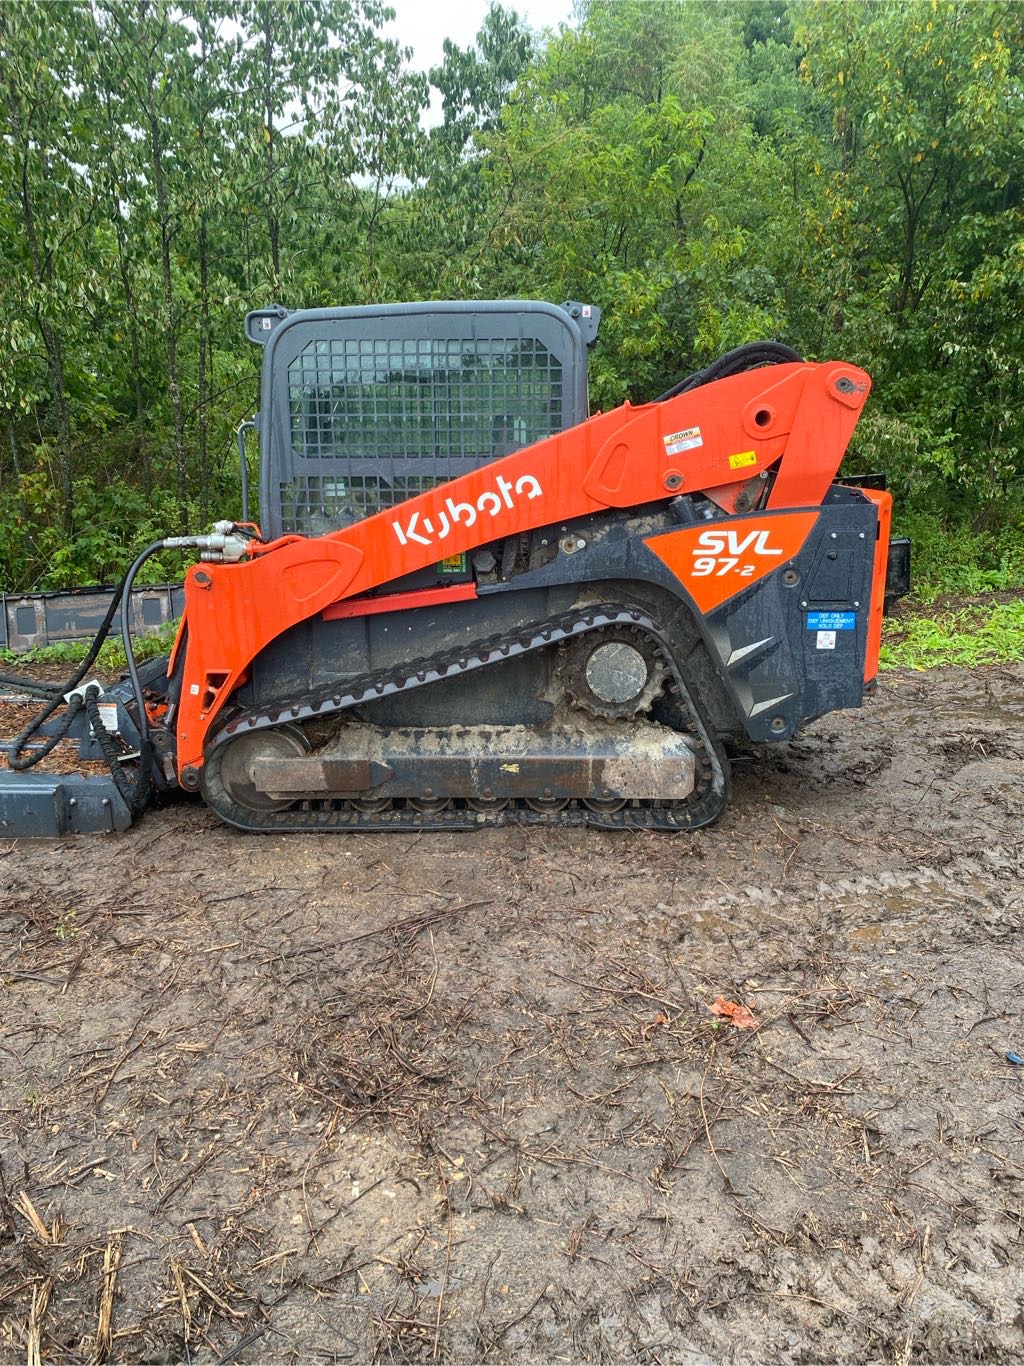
<point x="202" y="396"/>
<point x="131" y="309"/>
<point x="273" y="225"/>
<point x="170" y="312"/>
<point x="141" y="437"/>
<point x="12" y="442"/>
<point x="42" y="274"/>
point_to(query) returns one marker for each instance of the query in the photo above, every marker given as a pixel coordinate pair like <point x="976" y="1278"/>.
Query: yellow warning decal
<point x="453" y="564"/>
<point x="738" y="462"/>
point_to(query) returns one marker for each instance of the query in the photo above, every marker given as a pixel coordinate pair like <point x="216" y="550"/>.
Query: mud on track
<point x="461" y="1096"/>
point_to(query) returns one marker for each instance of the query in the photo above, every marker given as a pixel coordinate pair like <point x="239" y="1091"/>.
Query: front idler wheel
<point x="230" y="767"/>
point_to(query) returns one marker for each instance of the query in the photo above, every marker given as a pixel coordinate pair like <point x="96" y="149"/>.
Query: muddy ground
<point x="462" y="1097"/>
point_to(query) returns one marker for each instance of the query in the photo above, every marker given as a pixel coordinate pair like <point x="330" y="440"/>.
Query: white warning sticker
<point x="826" y="640"/>
<point x="108" y="715"/>
<point x="683" y="441"/>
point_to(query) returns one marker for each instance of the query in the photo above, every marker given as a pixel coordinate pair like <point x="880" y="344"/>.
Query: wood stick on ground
<point x="412" y="924"/>
<point x="211" y="1294"/>
<point x="911" y="1296"/>
<point x="104" y="1333"/>
<point x="435" y="1354"/>
<point x="25" y="1207"/>
<point x="183" y="1304"/>
<point x="40" y="1304"/>
<point x="730" y="1189"/>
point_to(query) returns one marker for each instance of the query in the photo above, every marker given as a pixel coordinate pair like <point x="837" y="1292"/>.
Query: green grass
<point x="958" y="612"/>
<point x="976" y="633"/>
<point x="111" y="657"/>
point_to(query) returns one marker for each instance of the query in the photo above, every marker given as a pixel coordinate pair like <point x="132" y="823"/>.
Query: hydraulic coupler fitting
<point x="224" y="545"/>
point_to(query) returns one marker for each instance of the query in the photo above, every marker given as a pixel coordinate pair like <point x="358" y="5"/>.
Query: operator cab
<point x="365" y="407"/>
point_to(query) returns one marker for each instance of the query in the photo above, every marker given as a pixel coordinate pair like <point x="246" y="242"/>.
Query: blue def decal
<point x="831" y="621"/>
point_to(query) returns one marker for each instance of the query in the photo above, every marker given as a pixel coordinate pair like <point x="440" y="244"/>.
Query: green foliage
<point x="956" y="559"/>
<point x="844" y="175"/>
<point x="166" y="167"/>
<point x="968" y="636"/>
<point x="921" y="180"/>
<point x="967" y="605"/>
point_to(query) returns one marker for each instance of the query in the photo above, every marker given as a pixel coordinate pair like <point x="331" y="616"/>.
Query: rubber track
<point x="710" y="797"/>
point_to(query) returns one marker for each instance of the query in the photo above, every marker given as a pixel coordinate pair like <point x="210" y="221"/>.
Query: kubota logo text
<point x="721" y="552"/>
<point x="423" y="531"/>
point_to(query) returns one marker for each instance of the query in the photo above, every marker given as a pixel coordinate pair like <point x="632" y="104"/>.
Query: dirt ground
<point x="462" y="1097"/>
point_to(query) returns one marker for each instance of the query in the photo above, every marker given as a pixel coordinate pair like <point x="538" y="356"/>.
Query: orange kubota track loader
<point x="470" y="603"/>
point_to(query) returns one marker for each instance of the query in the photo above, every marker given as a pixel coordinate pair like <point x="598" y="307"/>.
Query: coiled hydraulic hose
<point x="136" y="793"/>
<point x="32" y="687"/>
<point x="16" y="759"/>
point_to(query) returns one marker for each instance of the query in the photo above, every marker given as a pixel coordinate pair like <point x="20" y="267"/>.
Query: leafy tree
<point x="842" y="174"/>
<point x="924" y="229"/>
<point x="47" y="213"/>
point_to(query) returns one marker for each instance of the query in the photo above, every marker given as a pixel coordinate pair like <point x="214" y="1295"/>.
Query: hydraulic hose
<point x="226" y="543"/>
<point x="747" y="357"/>
<point x="142" y="720"/>
<point x="33" y="687"/>
<point x="16" y="759"/>
<point x="136" y="793"/>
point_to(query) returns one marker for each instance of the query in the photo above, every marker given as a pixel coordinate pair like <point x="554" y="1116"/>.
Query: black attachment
<point x="864" y="481"/>
<point x="897" y="574"/>
<point x="49" y="805"/>
<point x="17" y="758"/>
<point x="134" y="793"/>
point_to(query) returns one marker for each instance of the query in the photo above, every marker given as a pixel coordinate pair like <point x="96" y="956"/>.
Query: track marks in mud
<point x="991" y="878"/>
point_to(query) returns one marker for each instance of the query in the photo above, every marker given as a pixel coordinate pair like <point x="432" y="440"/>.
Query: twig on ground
<point x="34" y="1332"/>
<point x="104" y="1330"/>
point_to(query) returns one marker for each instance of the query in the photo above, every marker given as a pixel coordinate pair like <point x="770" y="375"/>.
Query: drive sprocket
<point x="616" y="673"/>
